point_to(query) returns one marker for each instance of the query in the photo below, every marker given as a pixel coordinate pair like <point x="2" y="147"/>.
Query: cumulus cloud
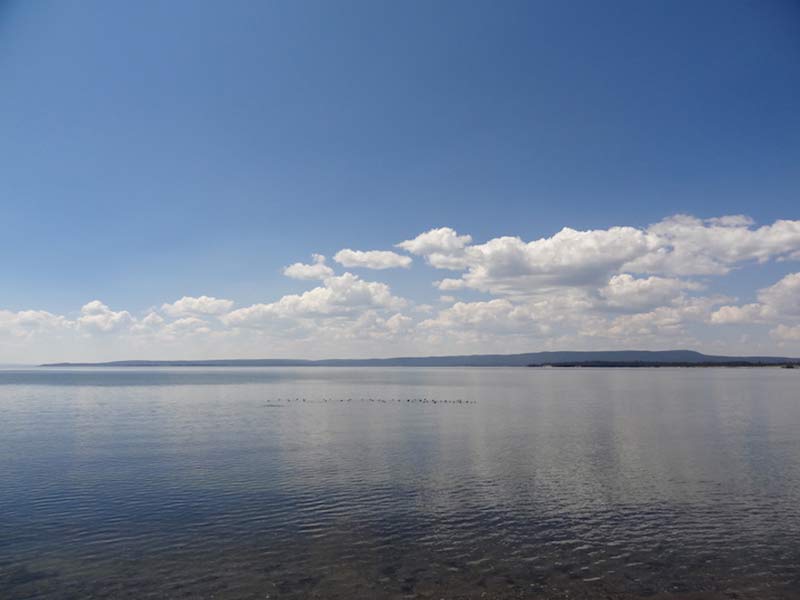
<point x="512" y="316"/>
<point x="663" y="321"/>
<point x="616" y="287"/>
<point x="339" y="295"/>
<point x="509" y="265"/>
<point x="150" y="324"/>
<point x="630" y="293"/>
<point x="152" y="320"/>
<point x="370" y="325"/>
<point x="202" y="305"/>
<point x="25" y="323"/>
<point x="677" y="246"/>
<point x="786" y="333"/>
<point x="498" y="314"/>
<point x="685" y="245"/>
<point x="748" y="313"/>
<point x="781" y="300"/>
<point x="187" y="325"/>
<point x="570" y="257"/>
<point x="316" y="270"/>
<point x="442" y="248"/>
<point x="784" y="296"/>
<point x="731" y="221"/>
<point x="154" y="327"/>
<point x="450" y="284"/>
<point x="99" y="318"/>
<point x="371" y="259"/>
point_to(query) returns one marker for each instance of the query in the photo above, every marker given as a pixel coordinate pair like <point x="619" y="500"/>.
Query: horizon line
<point x="391" y="358"/>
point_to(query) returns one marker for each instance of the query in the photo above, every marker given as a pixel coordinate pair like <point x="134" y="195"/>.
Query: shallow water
<point x="539" y="483"/>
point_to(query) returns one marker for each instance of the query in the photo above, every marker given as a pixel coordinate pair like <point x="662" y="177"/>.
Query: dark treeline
<point x="639" y="363"/>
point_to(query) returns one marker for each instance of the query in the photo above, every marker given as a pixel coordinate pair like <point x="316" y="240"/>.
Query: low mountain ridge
<point x="662" y="357"/>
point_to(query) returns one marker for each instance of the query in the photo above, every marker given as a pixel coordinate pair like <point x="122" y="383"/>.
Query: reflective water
<point x="224" y="483"/>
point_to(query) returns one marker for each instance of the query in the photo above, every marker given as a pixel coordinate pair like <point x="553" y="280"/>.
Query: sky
<point x="193" y="179"/>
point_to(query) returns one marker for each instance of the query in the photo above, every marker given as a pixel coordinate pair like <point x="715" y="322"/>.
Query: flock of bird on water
<point x="378" y="400"/>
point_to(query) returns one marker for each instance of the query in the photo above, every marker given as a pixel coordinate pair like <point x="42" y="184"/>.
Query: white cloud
<point x="99" y="318"/>
<point x="449" y="284"/>
<point x="534" y="317"/>
<point x="749" y="313"/>
<point x="784" y="296"/>
<point x="627" y="292"/>
<point x="317" y="270"/>
<point x="786" y="333"/>
<point x="508" y="265"/>
<point x="731" y="221"/>
<point x="778" y="301"/>
<point x="615" y="287"/>
<point x="369" y="325"/>
<point x="152" y="320"/>
<point x="500" y="316"/>
<point x="443" y="248"/>
<point x="686" y="245"/>
<point x="187" y="325"/>
<point x="150" y="324"/>
<point x="663" y="321"/>
<point x="398" y="322"/>
<point x="339" y="295"/>
<point x="30" y="322"/>
<point x="492" y="314"/>
<point x="202" y="305"/>
<point x="443" y="239"/>
<point x="570" y="257"/>
<point x="371" y="259"/>
<point x="679" y="245"/>
<point x="156" y="326"/>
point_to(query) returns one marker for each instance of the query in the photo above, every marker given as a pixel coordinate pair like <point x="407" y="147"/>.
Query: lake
<point x="399" y="483"/>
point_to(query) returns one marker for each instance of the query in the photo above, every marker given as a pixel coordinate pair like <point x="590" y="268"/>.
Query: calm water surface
<point x="595" y="483"/>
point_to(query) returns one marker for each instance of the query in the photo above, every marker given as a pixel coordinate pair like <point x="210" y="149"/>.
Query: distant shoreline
<point x="614" y="358"/>
<point x="702" y="365"/>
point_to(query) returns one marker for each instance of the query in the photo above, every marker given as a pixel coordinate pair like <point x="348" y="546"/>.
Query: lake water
<point x="514" y="483"/>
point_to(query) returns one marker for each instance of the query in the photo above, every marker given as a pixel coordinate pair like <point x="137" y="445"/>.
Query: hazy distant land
<point x="616" y="358"/>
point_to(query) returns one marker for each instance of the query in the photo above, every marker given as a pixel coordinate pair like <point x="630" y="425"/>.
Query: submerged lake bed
<point x="404" y="482"/>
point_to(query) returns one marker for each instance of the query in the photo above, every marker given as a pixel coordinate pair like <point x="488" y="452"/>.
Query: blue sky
<point x="151" y="151"/>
